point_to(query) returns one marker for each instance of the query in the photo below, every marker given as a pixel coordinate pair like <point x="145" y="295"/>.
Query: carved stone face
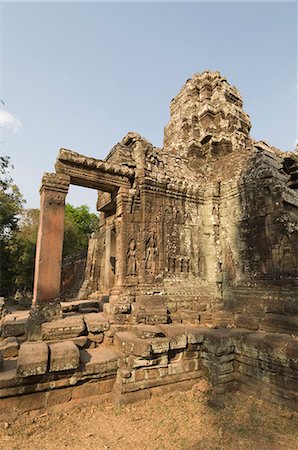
<point x="132" y="245"/>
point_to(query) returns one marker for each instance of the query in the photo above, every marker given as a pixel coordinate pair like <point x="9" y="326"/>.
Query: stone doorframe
<point x="72" y="168"/>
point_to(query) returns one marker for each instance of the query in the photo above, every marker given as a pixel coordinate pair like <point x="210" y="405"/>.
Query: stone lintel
<point x="93" y="173"/>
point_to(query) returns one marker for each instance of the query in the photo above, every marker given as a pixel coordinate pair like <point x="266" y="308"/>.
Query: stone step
<point x="64" y="356"/>
<point x="101" y="360"/>
<point x="66" y="328"/>
<point x="96" y="322"/>
<point x="82" y="306"/>
<point x="129" y="344"/>
<point x="33" y="359"/>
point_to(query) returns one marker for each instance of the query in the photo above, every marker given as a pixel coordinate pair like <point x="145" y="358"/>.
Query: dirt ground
<point x="190" y="420"/>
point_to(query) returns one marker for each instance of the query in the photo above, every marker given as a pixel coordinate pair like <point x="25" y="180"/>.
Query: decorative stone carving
<point x="200" y="221"/>
<point x="151" y="255"/>
<point x="131" y="258"/>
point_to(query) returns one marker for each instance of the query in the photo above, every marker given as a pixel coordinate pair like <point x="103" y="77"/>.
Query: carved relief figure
<point x="286" y="255"/>
<point x="151" y="254"/>
<point x="131" y="258"/>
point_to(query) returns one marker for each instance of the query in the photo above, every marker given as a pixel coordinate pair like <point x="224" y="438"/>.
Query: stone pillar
<point x="121" y="210"/>
<point x="107" y="265"/>
<point x="49" y="245"/>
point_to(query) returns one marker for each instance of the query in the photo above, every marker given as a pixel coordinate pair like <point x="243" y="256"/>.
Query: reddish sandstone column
<point x="49" y="245"/>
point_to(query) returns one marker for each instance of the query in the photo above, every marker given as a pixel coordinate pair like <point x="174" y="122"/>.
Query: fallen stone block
<point x="96" y="323"/>
<point x="64" y="356"/>
<point x="15" y="324"/>
<point x="33" y="359"/>
<point x="66" y="328"/>
<point x="129" y="344"/>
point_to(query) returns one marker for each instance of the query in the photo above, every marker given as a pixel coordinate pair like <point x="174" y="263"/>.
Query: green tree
<point x="11" y="200"/>
<point x="23" y="247"/>
<point x="11" y="206"/>
<point x="79" y="223"/>
<point x="18" y="234"/>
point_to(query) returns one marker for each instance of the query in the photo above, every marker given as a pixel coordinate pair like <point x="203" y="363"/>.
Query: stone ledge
<point x="69" y="327"/>
<point x="33" y="359"/>
<point x="64" y="356"/>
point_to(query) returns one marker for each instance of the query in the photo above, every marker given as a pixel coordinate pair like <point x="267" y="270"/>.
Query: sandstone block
<point x="15" y="324"/>
<point x="8" y="375"/>
<point x="129" y="344"/>
<point x="177" y="335"/>
<point x="66" y="328"/>
<point x="249" y="321"/>
<point x="273" y="323"/>
<point x="79" y="305"/>
<point x="80" y="341"/>
<point x="9" y="347"/>
<point x="147" y="331"/>
<point x="137" y="361"/>
<point x="64" y="356"/>
<point x="96" y="323"/>
<point x="33" y="359"/>
<point x="100" y="360"/>
<point x="159" y="345"/>
<point x="195" y="335"/>
<point x="175" y="368"/>
<point x="98" y="337"/>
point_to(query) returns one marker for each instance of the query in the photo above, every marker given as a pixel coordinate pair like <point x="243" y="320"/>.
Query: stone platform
<point x="89" y="356"/>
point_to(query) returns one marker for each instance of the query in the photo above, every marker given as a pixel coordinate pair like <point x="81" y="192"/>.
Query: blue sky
<point x="81" y="75"/>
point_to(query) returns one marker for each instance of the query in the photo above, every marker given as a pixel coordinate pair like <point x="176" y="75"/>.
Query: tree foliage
<point x="11" y="200"/>
<point x="11" y="204"/>
<point x="18" y="234"/>
<point x="79" y="223"/>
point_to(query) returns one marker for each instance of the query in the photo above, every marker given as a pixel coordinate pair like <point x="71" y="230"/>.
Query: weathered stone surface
<point x="96" y="323"/>
<point x="148" y="331"/>
<point x="280" y="323"/>
<point x="68" y="327"/>
<point x="80" y="341"/>
<point x="129" y="344"/>
<point x="47" y="275"/>
<point x="9" y="347"/>
<point x="14" y="324"/>
<point x="98" y="337"/>
<point x="103" y="361"/>
<point x="78" y="305"/>
<point x="33" y="359"/>
<point x="177" y="335"/>
<point x="159" y="345"/>
<point x="64" y="356"/>
<point x="202" y="232"/>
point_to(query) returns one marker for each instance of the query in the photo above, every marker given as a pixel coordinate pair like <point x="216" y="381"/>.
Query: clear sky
<point x="81" y="75"/>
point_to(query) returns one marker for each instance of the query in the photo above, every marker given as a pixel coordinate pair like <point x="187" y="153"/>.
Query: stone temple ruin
<point x="192" y="274"/>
